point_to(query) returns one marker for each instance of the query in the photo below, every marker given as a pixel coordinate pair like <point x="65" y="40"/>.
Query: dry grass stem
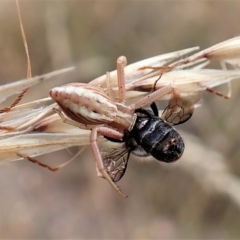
<point x="33" y="129"/>
<point x="27" y="118"/>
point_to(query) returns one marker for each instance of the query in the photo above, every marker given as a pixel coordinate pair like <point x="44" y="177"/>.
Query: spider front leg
<point x="152" y="97"/>
<point x="180" y="108"/>
<point x="121" y="63"/>
<point x="147" y="100"/>
<point x="97" y="155"/>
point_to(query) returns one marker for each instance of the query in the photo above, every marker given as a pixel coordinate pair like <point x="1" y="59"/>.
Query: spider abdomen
<point x="84" y="103"/>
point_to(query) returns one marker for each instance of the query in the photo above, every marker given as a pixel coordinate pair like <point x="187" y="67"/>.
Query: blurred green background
<point x="168" y="201"/>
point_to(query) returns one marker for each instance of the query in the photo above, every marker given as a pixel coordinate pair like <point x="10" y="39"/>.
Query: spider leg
<point x="152" y="97"/>
<point x="101" y="171"/>
<point x="53" y="169"/>
<point x="72" y="122"/>
<point x="121" y="63"/>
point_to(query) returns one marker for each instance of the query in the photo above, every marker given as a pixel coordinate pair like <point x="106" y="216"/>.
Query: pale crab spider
<point x="88" y="107"/>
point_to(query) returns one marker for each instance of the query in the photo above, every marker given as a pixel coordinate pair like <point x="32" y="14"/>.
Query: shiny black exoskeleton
<point x="156" y="137"/>
<point x="150" y="135"/>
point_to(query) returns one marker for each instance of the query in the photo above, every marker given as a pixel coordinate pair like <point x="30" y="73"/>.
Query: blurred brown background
<point x="165" y="201"/>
